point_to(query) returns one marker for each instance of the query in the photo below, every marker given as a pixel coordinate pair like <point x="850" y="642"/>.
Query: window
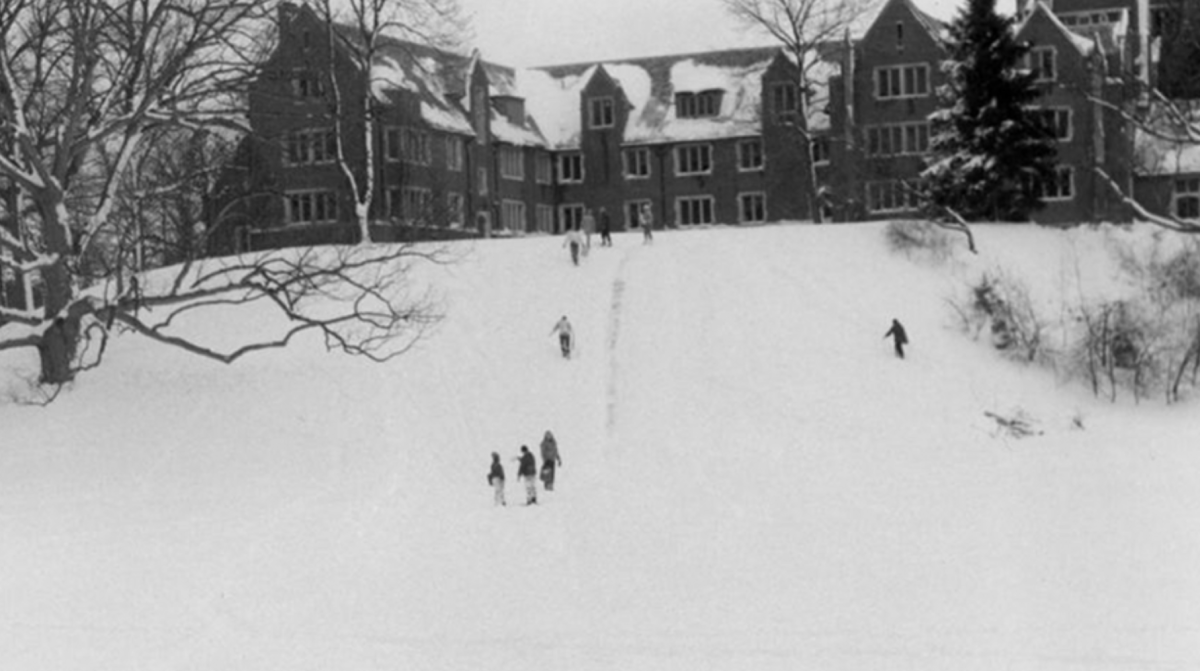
<point x="900" y="139"/>
<point x="696" y="105"/>
<point x="545" y="218"/>
<point x="902" y="81"/>
<point x="750" y="155"/>
<point x="307" y="84"/>
<point x="1057" y="121"/>
<point x="783" y="98"/>
<point x="1042" y="64"/>
<point x="413" y="205"/>
<point x="483" y="180"/>
<point x="601" y="113"/>
<point x="1093" y="18"/>
<point x="570" y="168"/>
<point x="309" y="147"/>
<point x="899" y="36"/>
<point x="693" y="159"/>
<point x="1186" y="198"/>
<point x="512" y="163"/>
<point x="456" y="210"/>
<point x="454" y="153"/>
<point x="571" y="216"/>
<point x="310" y="207"/>
<point x="636" y="163"/>
<point x="632" y="208"/>
<point x="512" y="216"/>
<point x="693" y="210"/>
<point x="410" y="145"/>
<point x="1060" y="187"/>
<point x="820" y="150"/>
<point x="543" y="170"/>
<point x="752" y="207"/>
<point x="891" y="196"/>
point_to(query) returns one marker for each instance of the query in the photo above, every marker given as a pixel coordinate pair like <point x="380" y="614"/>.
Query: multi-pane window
<point x="512" y="163"/>
<point x="309" y="207"/>
<point x="545" y="218"/>
<point x="1057" y="121"/>
<point x="632" y="208"/>
<point x="1186" y="198"/>
<point x="410" y="145"/>
<point x="512" y="215"/>
<point x="750" y="155"/>
<point x="752" y="207"/>
<point x="1043" y="63"/>
<point x="454" y="153"/>
<point x="693" y="159"/>
<point x="783" y="98"/>
<point x="902" y="81"/>
<point x="307" y="147"/>
<point x="456" y="210"/>
<point x="600" y="113"/>
<point x="571" y="216"/>
<point x="1093" y="18"/>
<point x="820" y="150"/>
<point x="411" y="203"/>
<point x="891" y="196"/>
<point x="695" y="105"/>
<point x="307" y="84"/>
<point x="636" y="162"/>
<point x="1060" y="186"/>
<point x="570" y="167"/>
<point x="692" y="210"/>
<point x="898" y="139"/>
<point x="543" y="168"/>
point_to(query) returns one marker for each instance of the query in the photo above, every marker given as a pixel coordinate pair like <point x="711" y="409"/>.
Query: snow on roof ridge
<point x="1083" y="44"/>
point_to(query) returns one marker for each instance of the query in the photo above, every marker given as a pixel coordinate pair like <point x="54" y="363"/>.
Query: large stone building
<point x="464" y="147"/>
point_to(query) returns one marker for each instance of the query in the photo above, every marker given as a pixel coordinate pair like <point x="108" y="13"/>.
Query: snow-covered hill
<point x="751" y="480"/>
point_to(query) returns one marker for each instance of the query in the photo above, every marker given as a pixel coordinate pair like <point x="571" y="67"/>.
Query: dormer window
<point x="1042" y="62"/>
<point x="695" y="105"/>
<point x="783" y="98"/>
<point x="307" y="84"/>
<point x="600" y="113"/>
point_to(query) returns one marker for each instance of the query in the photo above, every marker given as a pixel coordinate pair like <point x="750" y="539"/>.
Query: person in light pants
<point x="527" y="473"/>
<point x="496" y="479"/>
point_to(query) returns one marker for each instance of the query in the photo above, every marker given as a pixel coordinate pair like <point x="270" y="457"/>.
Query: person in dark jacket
<point x="527" y="472"/>
<point x="496" y="479"/>
<point x="899" y="337"/>
<point x="605" y="229"/>
<point x="550" y="460"/>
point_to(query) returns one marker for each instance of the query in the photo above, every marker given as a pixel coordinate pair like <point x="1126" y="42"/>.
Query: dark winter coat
<point x="497" y="472"/>
<point x="897" y="331"/>
<point x="550" y="451"/>
<point x="528" y="466"/>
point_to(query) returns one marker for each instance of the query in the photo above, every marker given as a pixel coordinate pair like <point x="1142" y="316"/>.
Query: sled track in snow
<point x="614" y="332"/>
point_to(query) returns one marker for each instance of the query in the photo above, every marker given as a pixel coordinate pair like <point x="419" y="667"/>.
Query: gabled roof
<point x="649" y="85"/>
<point x="1086" y="46"/>
<point x="875" y="9"/>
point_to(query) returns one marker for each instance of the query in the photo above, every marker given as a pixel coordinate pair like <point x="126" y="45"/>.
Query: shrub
<point x="909" y="237"/>
<point x="1002" y="305"/>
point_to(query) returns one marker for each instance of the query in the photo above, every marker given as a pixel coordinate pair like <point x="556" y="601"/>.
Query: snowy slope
<point x="751" y="481"/>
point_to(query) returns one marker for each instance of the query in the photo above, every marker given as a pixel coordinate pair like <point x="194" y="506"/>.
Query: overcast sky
<point x="546" y="32"/>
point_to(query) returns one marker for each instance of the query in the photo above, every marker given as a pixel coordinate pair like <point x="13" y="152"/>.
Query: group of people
<point x="579" y="237"/>
<point x="527" y="471"/>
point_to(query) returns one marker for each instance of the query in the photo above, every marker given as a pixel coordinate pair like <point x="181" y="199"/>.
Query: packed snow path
<point x="751" y="480"/>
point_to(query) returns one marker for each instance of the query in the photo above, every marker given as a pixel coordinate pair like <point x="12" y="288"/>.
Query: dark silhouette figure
<point x="550" y="460"/>
<point x="496" y="479"/>
<point x="605" y="229"/>
<point x="899" y="337"/>
<point x="527" y="472"/>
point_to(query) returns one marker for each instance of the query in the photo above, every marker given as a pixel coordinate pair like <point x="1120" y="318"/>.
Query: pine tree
<point x="990" y="153"/>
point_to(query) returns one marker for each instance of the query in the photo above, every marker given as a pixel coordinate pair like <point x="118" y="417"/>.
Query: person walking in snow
<point x="550" y="460"/>
<point x="589" y="227"/>
<point x="605" y="229"/>
<point x="575" y="241"/>
<point x="496" y="479"/>
<point x="527" y="472"/>
<point x="646" y="221"/>
<point x="899" y="337"/>
<point x="566" y="336"/>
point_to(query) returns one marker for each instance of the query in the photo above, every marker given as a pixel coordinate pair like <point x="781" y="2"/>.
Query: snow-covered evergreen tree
<point x="989" y="152"/>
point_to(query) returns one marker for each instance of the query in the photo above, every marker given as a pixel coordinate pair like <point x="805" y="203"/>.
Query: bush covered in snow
<point x="913" y="237"/>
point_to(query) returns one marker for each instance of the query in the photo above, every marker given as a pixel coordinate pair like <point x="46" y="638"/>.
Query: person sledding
<point x="550" y="461"/>
<point x="566" y="336"/>
<point x="899" y="337"/>
<point x="496" y="479"/>
<point x="527" y="473"/>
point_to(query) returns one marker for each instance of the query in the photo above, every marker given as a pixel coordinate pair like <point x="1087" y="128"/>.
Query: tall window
<point x="891" y="196"/>
<point x="456" y="210"/>
<point x="454" y="153"/>
<point x="601" y="113"/>
<point x="512" y="163"/>
<point x="902" y="81"/>
<point x="410" y="145"/>
<point x="820" y="150"/>
<point x="695" y="105"/>
<point x="750" y="155"/>
<point x="307" y="84"/>
<point x="1059" y="187"/>
<point x="570" y="167"/>
<point x="783" y="98"/>
<point x="543" y="169"/>
<point x="571" y="216"/>
<point x="752" y="207"/>
<point x="545" y="218"/>
<point x="693" y="159"/>
<point x="1043" y="63"/>
<point x="1055" y="120"/>
<point x="693" y="210"/>
<point x="898" y="139"/>
<point x="636" y="162"/>
<point x="309" y="147"/>
<point x="310" y="207"/>
<point x="1186" y="198"/>
<point x="512" y="216"/>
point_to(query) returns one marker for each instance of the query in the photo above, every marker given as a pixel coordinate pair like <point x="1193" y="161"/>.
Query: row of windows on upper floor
<point x="896" y="195"/>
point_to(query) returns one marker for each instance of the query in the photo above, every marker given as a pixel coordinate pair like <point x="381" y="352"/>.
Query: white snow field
<point x="751" y="480"/>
